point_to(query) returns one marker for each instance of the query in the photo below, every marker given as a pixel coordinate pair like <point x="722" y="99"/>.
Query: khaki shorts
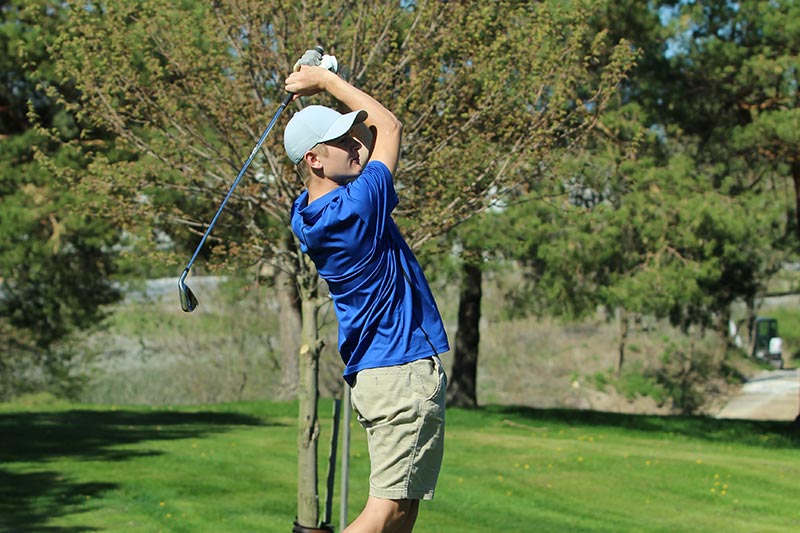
<point x="402" y="409"/>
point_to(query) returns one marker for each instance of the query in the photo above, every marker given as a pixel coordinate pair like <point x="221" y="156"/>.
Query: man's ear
<point x="312" y="160"/>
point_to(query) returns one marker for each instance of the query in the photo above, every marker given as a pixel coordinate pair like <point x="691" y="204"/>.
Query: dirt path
<point x="770" y="395"/>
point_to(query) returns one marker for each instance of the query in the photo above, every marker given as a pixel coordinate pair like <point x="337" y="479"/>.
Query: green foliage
<point x="187" y="87"/>
<point x="684" y="378"/>
<point x="55" y="260"/>
<point x="680" y="376"/>
<point x="636" y="382"/>
<point x="744" y="57"/>
<point x="656" y="216"/>
<point x="663" y="242"/>
<point x="600" y="381"/>
<point x="56" y="270"/>
<point x="23" y="63"/>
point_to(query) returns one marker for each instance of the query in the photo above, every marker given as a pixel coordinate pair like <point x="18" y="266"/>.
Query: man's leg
<point x="402" y="409"/>
<point x="385" y="516"/>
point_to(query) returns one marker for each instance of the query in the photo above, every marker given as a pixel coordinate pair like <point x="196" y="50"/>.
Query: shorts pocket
<point x="426" y="377"/>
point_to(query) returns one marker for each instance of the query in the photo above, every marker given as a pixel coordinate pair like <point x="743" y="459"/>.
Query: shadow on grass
<point x="766" y="434"/>
<point x="31" y="496"/>
<point x="29" y="501"/>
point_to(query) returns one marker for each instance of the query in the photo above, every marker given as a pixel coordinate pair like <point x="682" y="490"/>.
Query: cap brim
<point x="343" y="125"/>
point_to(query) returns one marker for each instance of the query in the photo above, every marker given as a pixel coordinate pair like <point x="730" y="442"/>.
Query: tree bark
<point x="751" y="322"/>
<point x="308" y="397"/>
<point x="462" y="391"/>
<point x="622" y="319"/>
<point x="724" y="331"/>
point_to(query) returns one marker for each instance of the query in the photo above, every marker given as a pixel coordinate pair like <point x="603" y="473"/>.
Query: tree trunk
<point x="724" y="331"/>
<point x="308" y="396"/>
<point x="622" y="319"/>
<point x="462" y="391"/>
<point x="751" y="322"/>
<point x="796" y="179"/>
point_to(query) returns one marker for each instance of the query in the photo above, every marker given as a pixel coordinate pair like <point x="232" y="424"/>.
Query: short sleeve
<point x="373" y="197"/>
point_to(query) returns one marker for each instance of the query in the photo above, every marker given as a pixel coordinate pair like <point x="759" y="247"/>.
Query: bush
<point x="52" y="370"/>
<point x="683" y="379"/>
<point x="636" y="381"/>
<point x="680" y="376"/>
<point x="601" y="381"/>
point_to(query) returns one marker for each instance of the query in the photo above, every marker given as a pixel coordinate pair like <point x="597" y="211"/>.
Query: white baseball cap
<point x="316" y="124"/>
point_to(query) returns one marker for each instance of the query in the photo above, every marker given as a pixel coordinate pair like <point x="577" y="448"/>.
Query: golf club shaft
<point x="287" y="99"/>
<point x="311" y="57"/>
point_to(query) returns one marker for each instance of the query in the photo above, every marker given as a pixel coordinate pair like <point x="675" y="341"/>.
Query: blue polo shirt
<point x="386" y="312"/>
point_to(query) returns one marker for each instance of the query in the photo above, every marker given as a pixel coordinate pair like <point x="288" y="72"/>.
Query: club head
<point x="188" y="299"/>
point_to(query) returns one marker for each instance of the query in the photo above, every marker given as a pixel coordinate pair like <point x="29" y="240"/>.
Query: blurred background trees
<point x="55" y="262"/>
<point x="122" y="124"/>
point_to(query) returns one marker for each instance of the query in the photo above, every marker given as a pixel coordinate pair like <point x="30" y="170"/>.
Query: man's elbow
<point x="394" y="126"/>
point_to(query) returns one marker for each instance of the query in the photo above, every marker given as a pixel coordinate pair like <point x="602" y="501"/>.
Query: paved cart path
<point x="770" y="395"/>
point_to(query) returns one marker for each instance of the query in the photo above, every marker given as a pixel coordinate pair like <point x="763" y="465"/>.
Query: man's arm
<point x="387" y="129"/>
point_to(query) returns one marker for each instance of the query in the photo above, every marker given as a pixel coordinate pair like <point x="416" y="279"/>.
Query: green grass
<point x="231" y="467"/>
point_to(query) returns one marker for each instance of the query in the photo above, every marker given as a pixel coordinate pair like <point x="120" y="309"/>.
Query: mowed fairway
<point x="231" y="467"/>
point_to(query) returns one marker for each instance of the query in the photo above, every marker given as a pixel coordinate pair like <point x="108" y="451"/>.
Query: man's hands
<point x="308" y="80"/>
<point x="313" y="82"/>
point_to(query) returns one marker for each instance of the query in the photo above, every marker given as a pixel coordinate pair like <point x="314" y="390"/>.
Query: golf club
<point x="311" y="57"/>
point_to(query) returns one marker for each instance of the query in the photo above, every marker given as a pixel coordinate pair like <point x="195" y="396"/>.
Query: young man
<point x="390" y="330"/>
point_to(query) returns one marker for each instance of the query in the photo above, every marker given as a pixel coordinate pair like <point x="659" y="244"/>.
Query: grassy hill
<point x="150" y="352"/>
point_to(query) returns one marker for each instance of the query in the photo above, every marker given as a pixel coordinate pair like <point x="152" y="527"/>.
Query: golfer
<point x="390" y="331"/>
